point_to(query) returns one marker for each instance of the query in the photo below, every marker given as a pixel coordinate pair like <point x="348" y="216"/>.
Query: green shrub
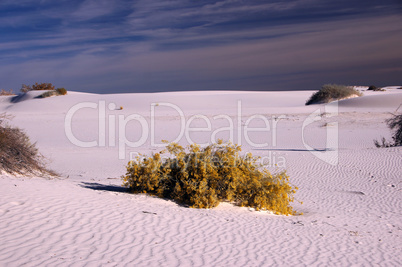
<point x="203" y="177"/>
<point x="332" y="92"/>
<point x="17" y="154"/>
<point x="61" y="91"/>
<point x="393" y="123"/>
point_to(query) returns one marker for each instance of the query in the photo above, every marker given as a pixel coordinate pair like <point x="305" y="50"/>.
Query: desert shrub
<point x="48" y="94"/>
<point x="6" y="93"/>
<point x="203" y="177"/>
<point x="332" y="92"/>
<point x="61" y="91"/>
<point x="25" y="88"/>
<point x="17" y="154"/>
<point x="43" y="86"/>
<point x="57" y="92"/>
<point x="37" y="86"/>
<point x="394" y="123"/>
<point x="382" y="143"/>
<point x="375" y="88"/>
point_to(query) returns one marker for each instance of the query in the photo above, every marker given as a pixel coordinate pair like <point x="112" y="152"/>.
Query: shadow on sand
<point x="104" y="187"/>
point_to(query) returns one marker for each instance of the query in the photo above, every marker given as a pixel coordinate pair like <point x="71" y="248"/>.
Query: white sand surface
<point x="352" y="210"/>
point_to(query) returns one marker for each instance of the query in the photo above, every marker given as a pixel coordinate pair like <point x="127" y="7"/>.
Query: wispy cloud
<point x="91" y="9"/>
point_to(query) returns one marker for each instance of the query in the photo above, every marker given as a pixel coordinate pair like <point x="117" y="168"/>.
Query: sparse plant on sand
<point x="25" y="88"/>
<point x="48" y="94"/>
<point x="61" y="91"/>
<point x="332" y="92"/>
<point x="17" y="154"/>
<point x="203" y="177"/>
<point x="375" y="88"/>
<point x="57" y="92"/>
<point x="43" y="86"/>
<point x="6" y="93"/>
<point x="37" y="86"/>
<point x="394" y="123"/>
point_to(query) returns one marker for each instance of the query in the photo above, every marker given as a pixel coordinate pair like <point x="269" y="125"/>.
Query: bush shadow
<point x="104" y="187"/>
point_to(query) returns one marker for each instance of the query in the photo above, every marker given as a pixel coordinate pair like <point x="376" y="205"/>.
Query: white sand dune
<point x="352" y="210"/>
<point x="387" y="101"/>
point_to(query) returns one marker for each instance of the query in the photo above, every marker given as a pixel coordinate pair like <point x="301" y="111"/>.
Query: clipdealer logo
<point x="235" y="126"/>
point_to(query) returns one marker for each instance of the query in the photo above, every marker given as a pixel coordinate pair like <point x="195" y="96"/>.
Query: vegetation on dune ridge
<point x="57" y="92"/>
<point x="6" y="93"/>
<point x="332" y="92"/>
<point x="51" y="91"/>
<point x="203" y="177"/>
<point x="375" y="88"/>
<point x="61" y="91"/>
<point x="17" y="154"/>
<point x="37" y="87"/>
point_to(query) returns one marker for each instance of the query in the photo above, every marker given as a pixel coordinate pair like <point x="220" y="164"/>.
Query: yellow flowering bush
<point x="203" y="177"/>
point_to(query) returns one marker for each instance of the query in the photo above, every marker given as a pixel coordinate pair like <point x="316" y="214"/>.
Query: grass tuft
<point x="332" y="92"/>
<point x="6" y="93"/>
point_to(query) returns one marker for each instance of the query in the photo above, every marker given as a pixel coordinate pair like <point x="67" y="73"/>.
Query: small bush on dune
<point x="25" y="88"/>
<point x="37" y="86"/>
<point x="203" y="177"/>
<point x="393" y="123"/>
<point x="61" y="91"/>
<point x="332" y="92"/>
<point x="44" y="87"/>
<point x="375" y="88"/>
<point x="48" y="94"/>
<point x="57" y="92"/>
<point x="17" y="154"/>
<point x="6" y="93"/>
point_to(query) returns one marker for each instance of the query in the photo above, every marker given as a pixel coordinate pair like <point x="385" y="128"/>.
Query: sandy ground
<point x="351" y="190"/>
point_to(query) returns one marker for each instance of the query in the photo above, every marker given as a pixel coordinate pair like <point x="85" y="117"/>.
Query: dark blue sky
<point x="107" y="46"/>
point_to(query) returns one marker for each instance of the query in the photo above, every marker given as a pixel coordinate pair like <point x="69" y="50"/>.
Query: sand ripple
<point x="48" y="223"/>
